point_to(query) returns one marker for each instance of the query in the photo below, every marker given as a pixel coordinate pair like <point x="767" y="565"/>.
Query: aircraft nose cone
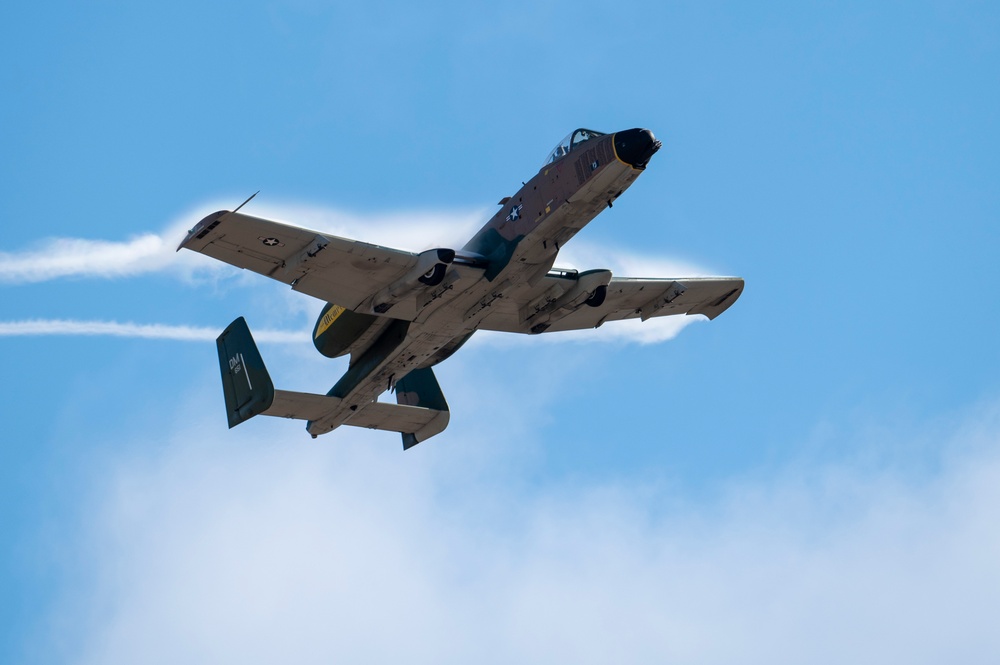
<point x="636" y="146"/>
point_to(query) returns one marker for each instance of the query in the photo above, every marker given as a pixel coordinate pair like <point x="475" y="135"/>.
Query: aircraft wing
<point x="337" y="270"/>
<point x="627" y="298"/>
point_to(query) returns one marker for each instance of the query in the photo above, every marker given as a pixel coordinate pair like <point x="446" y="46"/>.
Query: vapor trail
<point x="35" y="327"/>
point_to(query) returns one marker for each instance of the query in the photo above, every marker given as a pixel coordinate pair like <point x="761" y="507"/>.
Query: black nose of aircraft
<point x="636" y="146"/>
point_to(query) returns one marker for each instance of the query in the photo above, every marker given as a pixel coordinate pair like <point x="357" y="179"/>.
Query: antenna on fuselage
<point x="248" y="200"/>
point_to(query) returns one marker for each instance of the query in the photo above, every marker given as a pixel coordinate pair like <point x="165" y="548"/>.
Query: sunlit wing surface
<point x="301" y="406"/>
<point x="629" y="298"/>
<point x="332" y="269"/>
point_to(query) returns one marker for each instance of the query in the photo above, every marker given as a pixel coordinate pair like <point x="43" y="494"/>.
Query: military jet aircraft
<point x="399" y="313"/>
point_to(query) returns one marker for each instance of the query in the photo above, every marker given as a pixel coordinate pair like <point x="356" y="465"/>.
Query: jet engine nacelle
<point x="429" y="270"/>
<point x="589" y="288"/>
<point x="589" y="285"/>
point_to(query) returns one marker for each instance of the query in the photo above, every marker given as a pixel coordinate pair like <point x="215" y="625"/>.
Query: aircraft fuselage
<point x="512" y="252"/>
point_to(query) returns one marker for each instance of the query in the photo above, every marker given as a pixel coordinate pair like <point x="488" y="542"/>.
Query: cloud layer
<point x="352" y="551"/>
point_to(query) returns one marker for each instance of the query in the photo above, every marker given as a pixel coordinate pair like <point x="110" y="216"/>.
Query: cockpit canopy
<point x="570" y="143"/>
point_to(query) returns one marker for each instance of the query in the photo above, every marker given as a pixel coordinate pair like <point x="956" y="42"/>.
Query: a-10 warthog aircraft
<point x="399" y="313"/>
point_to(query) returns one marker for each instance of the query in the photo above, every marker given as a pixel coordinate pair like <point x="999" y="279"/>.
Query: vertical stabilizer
<point x="420" y="388"/>
<point x="245" y="381"/>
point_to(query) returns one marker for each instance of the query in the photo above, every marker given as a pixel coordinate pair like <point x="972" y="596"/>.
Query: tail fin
<point x="420" y="412"/>
<point x="420" y="388"/>
<point x="245" y="380"/>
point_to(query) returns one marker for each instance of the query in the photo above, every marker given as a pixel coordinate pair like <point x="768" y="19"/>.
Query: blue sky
<point x="811" y="477"/>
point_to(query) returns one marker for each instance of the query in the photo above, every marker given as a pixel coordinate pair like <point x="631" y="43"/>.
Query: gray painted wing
<point x="301" y="406"/>
<point x="333" y="269"/>
<point x="630" y="298"/>
<point x="399" y="418"/>
<point x="417" y="421"/>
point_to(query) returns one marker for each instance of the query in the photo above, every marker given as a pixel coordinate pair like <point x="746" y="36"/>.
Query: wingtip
<point x="723" y="302"/>
<point x="202" y="228"/>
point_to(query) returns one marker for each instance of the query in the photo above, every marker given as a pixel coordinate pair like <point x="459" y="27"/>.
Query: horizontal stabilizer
<point x="415" y="418"/>
<point x="421" y="411"/>
<point x="415" y="423"/>
<point x="301" y="406"/>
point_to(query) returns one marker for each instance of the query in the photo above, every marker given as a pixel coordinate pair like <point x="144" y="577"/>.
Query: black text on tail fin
<point x="245" y="380"/>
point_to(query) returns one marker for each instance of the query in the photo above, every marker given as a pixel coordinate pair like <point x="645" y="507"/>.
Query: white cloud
<point x="66" y="257"/>
<point x="413" y="230"/>
<point x="56" y="258"/>
<point x="246" y="550"/>
<point x="584" y="255"/>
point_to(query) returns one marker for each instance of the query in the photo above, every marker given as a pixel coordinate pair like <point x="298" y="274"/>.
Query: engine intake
<point x="429" y="270"/>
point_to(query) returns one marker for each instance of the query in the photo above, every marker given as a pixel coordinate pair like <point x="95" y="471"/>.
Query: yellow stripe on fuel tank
<point x="328" y="319"/>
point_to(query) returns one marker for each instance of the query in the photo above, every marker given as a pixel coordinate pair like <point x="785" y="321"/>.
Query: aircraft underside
<point x="397" y="313"/>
